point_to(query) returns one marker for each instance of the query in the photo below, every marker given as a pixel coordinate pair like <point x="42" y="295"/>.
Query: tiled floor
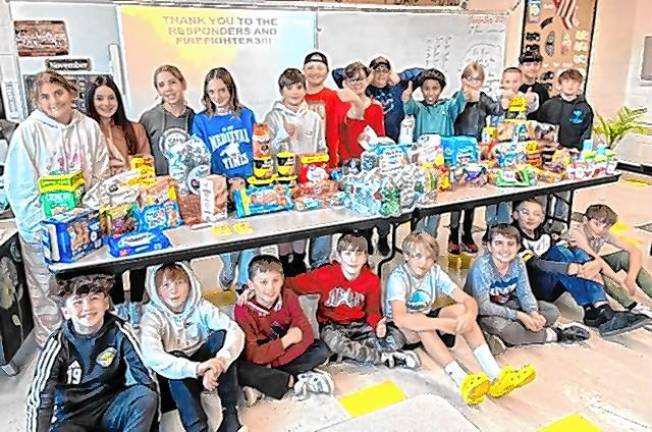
<point x="606" y="381"/>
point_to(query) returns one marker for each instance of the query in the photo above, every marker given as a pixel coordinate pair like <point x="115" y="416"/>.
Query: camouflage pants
<point x="47" y="315"/>
<point x="358" y="341"/>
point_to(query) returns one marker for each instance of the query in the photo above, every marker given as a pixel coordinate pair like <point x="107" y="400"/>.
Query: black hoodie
<point x="77" y="375"/>
<point x="575" y="119"/>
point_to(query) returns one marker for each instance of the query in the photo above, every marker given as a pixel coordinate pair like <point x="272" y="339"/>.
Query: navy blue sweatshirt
<point x="78" y="374"/>
<point x="575" y="119"/>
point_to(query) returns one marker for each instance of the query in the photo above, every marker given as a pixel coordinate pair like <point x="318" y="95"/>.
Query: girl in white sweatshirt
<point x="54" y="139"/>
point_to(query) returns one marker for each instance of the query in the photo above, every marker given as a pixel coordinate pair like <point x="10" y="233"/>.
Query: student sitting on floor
<point x="427" y="307"/>
<point x="90" y="375"/>
<point x="509" y="312"/>
<point x="554" y="269"/>
<point x="588" y="237"/>
<point x="193" y="344"/>
<point x="281" y="352"/>
<point x="349" y="308"/>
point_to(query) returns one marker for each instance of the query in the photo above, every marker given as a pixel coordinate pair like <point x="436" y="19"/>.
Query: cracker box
<point x="159" y="216"/>
<point x="136" y="243"/>
<point x="69" y="236"/>
<point x="58" y="202"/>
<point x="213" y="195"/>
<point x="61" y="182"/>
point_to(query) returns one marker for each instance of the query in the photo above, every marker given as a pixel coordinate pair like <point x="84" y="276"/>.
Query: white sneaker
<point x="316" y="381"/>
<point x="496" y="345"/>
<point x="251" y="395"/>
<point x="642" y="310"/>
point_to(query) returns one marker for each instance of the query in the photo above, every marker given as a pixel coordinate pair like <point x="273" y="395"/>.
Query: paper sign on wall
<point x="41" y="38"/>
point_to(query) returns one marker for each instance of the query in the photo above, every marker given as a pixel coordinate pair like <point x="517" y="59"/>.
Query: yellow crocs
<point x="510" y="379"/>
<point x="474" y="388"/>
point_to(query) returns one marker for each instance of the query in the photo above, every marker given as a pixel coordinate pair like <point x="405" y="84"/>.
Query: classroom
<point x="326" y="215"/>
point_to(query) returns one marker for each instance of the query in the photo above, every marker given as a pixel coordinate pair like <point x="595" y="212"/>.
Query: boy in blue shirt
<point x="508" y="311"/>
<point x="90" y="374"/>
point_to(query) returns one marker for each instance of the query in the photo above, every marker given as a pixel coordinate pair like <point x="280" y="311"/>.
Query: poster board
<point x="562" y="32"/>
<point x="255" y="45"/>
<point x="447" y="41"/>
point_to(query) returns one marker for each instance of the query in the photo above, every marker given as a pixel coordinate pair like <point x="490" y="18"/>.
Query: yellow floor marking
<point x="571" y="423"/>
<point x="372" y="398"/>
<point x="220" y="298"/>
<point x="635" y="182"/>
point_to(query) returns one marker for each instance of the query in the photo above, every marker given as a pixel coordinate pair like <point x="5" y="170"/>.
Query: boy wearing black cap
<point x="90" y="374"/>
<point x="387" y="87"/>
<point x="530" y="64"/>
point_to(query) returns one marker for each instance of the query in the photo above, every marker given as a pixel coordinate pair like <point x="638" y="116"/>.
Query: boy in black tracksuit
<point x="574" y="116"/>
<point x="90" y="375"/>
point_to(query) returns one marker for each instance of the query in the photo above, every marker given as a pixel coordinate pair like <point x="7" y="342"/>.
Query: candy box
<point x="69" y="236"/>
<point x="159" y="216"/>
<point x="260" y="200"/>
<point x="136" y="243"/>
<point x="313" y="165"/>
<point x="213" y="195"/>
<point x="61" y="182"/>
<point x="120" y="219"/>
<point x="158" y="191"/>
<point x="459" y="150"/>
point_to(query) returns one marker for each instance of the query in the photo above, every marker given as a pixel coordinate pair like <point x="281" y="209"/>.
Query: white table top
<point x="185" y="240"/>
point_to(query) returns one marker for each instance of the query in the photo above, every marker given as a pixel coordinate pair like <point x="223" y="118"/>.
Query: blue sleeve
<point x="455" y="105"/>
<point x="523" y="290"/>
<point x="481" y="281"/>
<point x="411" y="107"/>
<point x="136" y="371"/>
<point x="409" y="75"/>
<point x="199" y="129"/>
<point x="251" y="121"/>
<point x="338" y="77"/>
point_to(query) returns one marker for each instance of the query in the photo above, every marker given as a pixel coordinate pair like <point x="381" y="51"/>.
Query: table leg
<point x="392" y="252"/>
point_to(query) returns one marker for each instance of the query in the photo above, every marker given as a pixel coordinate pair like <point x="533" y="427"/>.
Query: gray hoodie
<point x="309" y="137"/>
<point x="156" y="122"/>
<point x="164" y="331"/>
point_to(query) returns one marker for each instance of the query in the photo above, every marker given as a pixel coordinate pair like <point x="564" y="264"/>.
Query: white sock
<point x="487" y="361"/>
<point x="551" y="335"/>
<point x="455" y="371"/>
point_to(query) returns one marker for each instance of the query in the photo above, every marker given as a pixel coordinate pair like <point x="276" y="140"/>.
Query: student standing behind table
<point x="169" y="120"/>
<point x="299" y="130"/>
<point x="226" y="128"/>
<point x="530" y="65"/>
<point x="125" y="139"/>
<point x="55" y="138"/>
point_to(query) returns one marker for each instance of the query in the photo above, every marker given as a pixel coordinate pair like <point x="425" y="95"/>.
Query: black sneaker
<point x="595" y="317"/>
<point x="383" y="246"/>
<point x="623" y="322"/>
<point x="570" y="333"/>
<point x="231" y="423"/>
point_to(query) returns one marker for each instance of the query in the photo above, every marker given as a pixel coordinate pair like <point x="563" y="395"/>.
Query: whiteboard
<point x="446" y="41"/>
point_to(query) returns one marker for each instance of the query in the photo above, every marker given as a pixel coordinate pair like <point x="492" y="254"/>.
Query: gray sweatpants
<point x="514" y="333"/>
<point x="358" y="341"/>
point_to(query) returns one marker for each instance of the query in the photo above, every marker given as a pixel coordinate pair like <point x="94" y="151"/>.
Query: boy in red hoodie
<point x="349" y="308"/>
<point x="281" y="352"/>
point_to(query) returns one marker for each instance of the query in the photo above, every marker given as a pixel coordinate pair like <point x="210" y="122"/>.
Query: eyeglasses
<point x="475" y="79"/>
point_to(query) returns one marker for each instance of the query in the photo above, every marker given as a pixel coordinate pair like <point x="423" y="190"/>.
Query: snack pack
<point x="427" y="150"/>
<point x="136" y="243"/>
<point x="68" y="236"/>
<point x="213" y="194"/>
<point x="158" y="191"/>
<point x="61" y="192"/>
<point x="459" y="150"/>
<point x="520" y="176"/>
<point x="158" y="216"/>
<point x="313" y="167"/>
<point x="314" y="195"/>
<point x="254" y="200"/>
<point x="120" y="219"/>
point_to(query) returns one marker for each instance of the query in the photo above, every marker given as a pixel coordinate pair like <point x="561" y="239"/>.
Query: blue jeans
<point x="241" y="259"/>
<point x="320" y="251"/>
<point x="429" y="224"/>
<point x="549" y="286"/>
<point x="186" y="392"/>
<point x="498" y="213"/>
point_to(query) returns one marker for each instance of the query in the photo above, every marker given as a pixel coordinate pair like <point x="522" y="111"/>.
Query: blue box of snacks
<point x="68" y="236"/>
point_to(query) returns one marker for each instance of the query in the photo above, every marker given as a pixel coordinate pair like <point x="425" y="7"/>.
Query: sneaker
<point x="121" y="311"/>
<point x="383" y="246"/>
<point x="406" y="359"/>
<point x="642" y="309"/>
<point x="570" y="333"/>
<point x="453" y="248"/>
<point x="496" y="344"/>
<point x="315" y="381"/>
<point x="231" y="423"/>
<point x="623" y="322"/>
<point x="226" y="277"/>
<point x="595" y="317"/>
<point x="251" y="395"/>
<point x="469" y="246"/>
<point x="135" y="311"/>
<point x="474" y="388"/>
<point x="510" y="379"/>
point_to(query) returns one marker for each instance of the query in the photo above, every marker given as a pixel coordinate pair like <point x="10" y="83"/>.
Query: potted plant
<point x="626" y="120"/>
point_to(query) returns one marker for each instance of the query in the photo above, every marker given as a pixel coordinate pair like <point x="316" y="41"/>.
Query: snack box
<point x="159" y="216"/>
<point x="69" y="236"/>
<point x="57" y="202"/>
<point x="61" y="182"/>
<point x="136" y="243"/>
<point x="213" y="196"/>
<point x="459" y="150"/>
<point x="261" y="200"/>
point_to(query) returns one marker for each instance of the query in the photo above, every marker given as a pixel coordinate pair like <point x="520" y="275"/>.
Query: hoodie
<point x="575" y="119"/>
<point x="157" y="121"/>
<point x="41" y="146"/>
<point x="163" y="331"/>
<point x="228" y="139"/>
<point x="78" y="375"/>
<point x="309" y="136"/>
<point x="438" y="118"/>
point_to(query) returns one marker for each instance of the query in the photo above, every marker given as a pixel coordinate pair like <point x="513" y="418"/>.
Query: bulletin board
<point x="562" y="32"/>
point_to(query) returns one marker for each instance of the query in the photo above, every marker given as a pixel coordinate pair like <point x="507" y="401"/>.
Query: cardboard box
<point x="213" y="194"/>
<point x="69" y="236"/>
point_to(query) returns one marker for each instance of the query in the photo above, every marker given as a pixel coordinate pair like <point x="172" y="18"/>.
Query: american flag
<point x="566" y="11"/>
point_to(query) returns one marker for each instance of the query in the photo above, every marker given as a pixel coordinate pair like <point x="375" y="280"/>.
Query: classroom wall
<point x="514" y="23"/>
